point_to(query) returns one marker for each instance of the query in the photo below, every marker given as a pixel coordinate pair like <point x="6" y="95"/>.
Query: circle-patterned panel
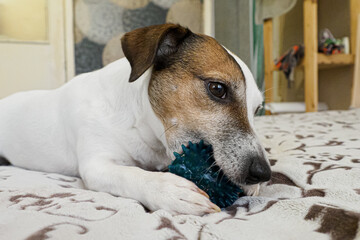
<point x="142" y="17"/>
<point x="131" y="4"/>
<point x="113" y="50"/>
<point x="98" y="21"/>
<point x="164" y="3"/>
<point x="187" y="13"/>
<point x="88" y="56"/>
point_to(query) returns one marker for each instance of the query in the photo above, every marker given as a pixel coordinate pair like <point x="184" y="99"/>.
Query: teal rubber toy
<point x="196" y="164"/>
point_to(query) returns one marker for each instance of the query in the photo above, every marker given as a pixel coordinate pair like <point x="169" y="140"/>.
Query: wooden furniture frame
<point x="313" y="61"/>
<point x="355" y="95"/>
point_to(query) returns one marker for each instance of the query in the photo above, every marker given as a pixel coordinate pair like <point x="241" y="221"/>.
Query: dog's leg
<point x="156" y="190"/>
<point x="251" y="190"/>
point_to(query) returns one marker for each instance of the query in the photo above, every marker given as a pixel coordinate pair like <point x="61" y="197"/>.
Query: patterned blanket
<point x="314" y="194"/>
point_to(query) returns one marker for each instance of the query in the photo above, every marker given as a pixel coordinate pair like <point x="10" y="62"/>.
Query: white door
<point x="36" y="46"/>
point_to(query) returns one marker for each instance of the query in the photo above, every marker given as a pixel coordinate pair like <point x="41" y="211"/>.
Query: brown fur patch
<point x="179" y="91"/>
<point x="143" y="45"/>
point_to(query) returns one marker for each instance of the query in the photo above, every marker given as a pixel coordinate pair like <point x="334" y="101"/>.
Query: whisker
<point x="213" y="164"/>
<point x="267" y="90"/>
<point x="174" y="126"/>
<point x="218" y="173"/>
<point x="222" y="177"/>
<point x="208" y="169"/>
<point x="168" y="129"/>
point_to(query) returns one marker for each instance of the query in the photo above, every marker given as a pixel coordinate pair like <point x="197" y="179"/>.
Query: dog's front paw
<point x="177" y="195"/>
<point x="251" y="190"/>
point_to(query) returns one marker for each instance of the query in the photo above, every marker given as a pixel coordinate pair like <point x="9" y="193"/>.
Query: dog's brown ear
<point x="146" y="46"/>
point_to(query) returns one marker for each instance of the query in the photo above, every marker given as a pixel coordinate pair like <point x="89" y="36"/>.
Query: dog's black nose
<point x="259" y="172"/>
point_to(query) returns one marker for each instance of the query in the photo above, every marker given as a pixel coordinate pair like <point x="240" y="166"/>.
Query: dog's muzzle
<point x="259" y="171"/>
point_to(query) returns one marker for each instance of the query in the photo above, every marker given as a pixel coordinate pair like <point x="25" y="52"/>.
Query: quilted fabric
<point x="314" y="193"/>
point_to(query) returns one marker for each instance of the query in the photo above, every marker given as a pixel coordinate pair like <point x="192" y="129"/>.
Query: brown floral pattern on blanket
<point x="56" y="204"/>
<point x="340" y="223"/>
<point x="314" y="193"/>
<point x="42" y="234"/>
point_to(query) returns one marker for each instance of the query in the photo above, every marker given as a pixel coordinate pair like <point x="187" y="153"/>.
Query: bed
<point x="314" y="193"/>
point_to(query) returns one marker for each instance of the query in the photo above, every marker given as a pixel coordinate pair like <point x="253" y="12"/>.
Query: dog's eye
<point x="258" y="109"/>
<point x="217" y="89"/>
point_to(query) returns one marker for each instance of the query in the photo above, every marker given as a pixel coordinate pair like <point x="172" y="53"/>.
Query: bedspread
<point x="314" y="193"/>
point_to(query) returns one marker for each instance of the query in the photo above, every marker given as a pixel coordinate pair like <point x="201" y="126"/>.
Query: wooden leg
<point x="268" y="60"/>
<point x="354" y="11"/>
<point x="355" y="96"/>
<point x="310" y="58"/>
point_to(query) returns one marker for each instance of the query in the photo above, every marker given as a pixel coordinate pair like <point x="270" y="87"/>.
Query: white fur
<point x="102" y="128"/>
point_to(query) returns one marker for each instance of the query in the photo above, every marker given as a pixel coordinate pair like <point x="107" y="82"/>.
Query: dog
<point x="117" y="127"/>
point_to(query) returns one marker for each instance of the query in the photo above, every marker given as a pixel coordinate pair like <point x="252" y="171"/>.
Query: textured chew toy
<point x="197" y="164"/>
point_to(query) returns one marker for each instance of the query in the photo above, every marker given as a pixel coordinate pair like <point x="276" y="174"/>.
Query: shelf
<point x="336" y="60"/>
<point x="329" y="61"/>
<point x="313" y="61"/>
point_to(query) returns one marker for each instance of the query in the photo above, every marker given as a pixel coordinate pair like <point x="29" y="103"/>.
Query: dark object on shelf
<point x="328" y="44"/>
<point x="289" y="61"/>
<point x="196" y="164"/>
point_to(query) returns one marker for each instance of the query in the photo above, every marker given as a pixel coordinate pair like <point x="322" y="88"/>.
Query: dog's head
<point x="199" y="90"/>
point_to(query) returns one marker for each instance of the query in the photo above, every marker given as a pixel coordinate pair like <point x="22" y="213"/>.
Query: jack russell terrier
<point x="117" y="127"/>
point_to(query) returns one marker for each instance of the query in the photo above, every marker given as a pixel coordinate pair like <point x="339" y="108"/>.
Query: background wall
<point x="99" y="25"/>
<point x="35" y="49"/>
<point x="233" y="20"/>
<point x="20" y="23"/>
<point x="235" y="28"/>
